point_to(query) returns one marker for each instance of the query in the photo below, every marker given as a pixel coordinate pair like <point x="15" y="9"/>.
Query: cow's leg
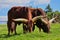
<point x="25" y="29"/>
<point x="9" y="27"/>
<point x="39" y="26"/>
<point x="39" y="29"/>
<point x="33" y="27"/>
<point x="12" y="27"/>
<point x="15" y="29"/>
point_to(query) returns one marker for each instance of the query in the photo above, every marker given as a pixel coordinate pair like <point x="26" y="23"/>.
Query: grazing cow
<point x="18" y="15"/>
<point x="43" y="22"/>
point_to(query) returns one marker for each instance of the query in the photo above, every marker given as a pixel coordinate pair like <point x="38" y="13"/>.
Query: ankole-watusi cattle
<point x="41" y="23"/>
<point x="17" y="15"/>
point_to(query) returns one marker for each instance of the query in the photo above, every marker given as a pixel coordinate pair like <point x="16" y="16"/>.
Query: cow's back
<point x="17" y="12"/>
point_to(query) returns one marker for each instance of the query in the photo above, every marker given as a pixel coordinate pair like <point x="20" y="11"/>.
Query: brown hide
<point x="19" y="12"/>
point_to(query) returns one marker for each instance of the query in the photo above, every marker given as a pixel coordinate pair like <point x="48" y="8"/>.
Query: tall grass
<point x="36" y="35"/>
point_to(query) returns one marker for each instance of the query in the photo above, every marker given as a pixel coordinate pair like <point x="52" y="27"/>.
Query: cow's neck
<point x="29" y="15"/>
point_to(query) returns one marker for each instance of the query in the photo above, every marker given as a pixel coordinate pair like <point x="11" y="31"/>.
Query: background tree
<point x="48" y="8"/>
<point x="51" y="14"/>
<point x="57" y="13"/>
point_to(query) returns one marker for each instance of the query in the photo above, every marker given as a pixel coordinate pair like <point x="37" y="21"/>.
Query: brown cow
<point x="17" y="15"/>
<point x="42" y="23"/>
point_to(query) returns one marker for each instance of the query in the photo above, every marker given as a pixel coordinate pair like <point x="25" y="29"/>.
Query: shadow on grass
<point x="6" y="36"/>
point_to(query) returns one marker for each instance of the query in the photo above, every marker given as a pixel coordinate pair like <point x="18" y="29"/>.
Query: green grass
<point x="36" y="35"/>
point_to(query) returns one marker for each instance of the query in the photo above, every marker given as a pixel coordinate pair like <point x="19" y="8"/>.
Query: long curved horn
<point x="20" y="20"/>
<point x="51" y="20"/>
<point x="44" y="21"/>
<point x="37" y="17"/>
<point x="40" y="17"/>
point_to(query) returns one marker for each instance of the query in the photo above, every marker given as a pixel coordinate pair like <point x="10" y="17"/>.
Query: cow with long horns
<point x="18" y="15"/>
<point x="43" y="22"/>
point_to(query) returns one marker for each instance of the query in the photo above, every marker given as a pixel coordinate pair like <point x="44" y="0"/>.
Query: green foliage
<point x="36" y="35"/>
<point x="51" y="15"/>
<point x="48" y="8"/>
<point x="57" y="13"/>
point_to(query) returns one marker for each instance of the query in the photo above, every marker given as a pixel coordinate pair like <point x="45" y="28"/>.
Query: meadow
<point x="36" y="35"/>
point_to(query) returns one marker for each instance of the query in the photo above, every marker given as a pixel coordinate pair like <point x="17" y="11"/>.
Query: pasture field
<point x="36" y="35"/>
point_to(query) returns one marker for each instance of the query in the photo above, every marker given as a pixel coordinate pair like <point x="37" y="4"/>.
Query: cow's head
<point x="43" y="23"/>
